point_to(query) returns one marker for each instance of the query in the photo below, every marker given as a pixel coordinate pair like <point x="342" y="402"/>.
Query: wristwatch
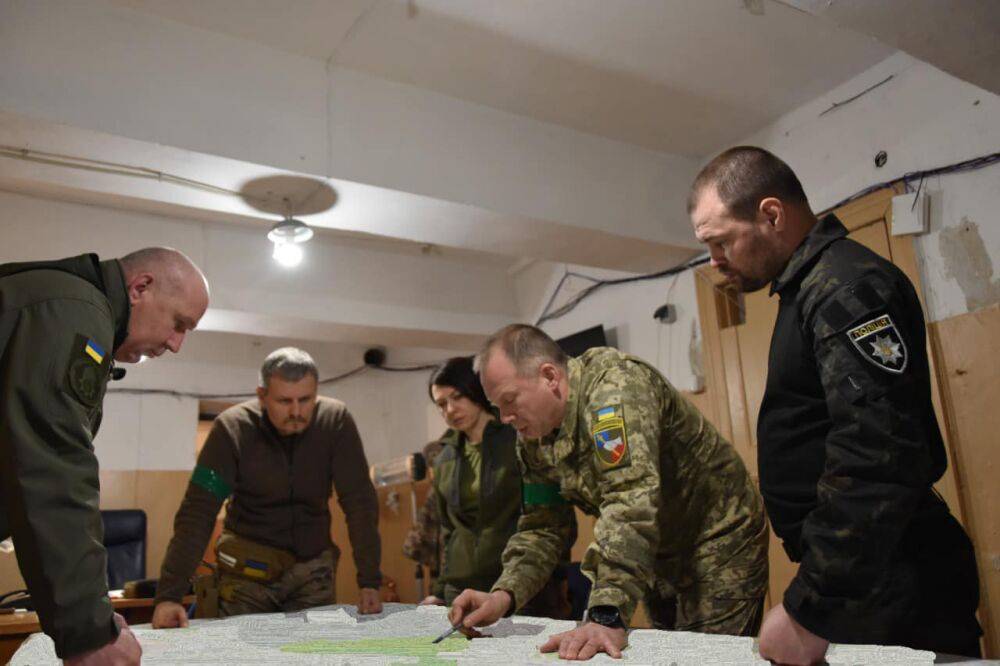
<point x="607" y="616"/>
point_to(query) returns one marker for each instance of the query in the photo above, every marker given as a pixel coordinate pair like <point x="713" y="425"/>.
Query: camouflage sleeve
<point x="444" y="534"/>
<point x="546" y="523"/>
<point x="50" y="394"/>
<point x="211" y="483"/>
<point x="869" y="343"/>
<point x="421" y="544"/>
<point x="622" y="421"/>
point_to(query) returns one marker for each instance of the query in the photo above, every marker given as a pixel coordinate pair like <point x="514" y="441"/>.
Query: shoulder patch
<point x="87" y="371"/>
<point x="881" y="344"/>
<point x="610" y="438"/>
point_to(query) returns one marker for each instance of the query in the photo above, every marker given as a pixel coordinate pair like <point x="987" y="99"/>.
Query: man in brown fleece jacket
<point x="275" y="462"/>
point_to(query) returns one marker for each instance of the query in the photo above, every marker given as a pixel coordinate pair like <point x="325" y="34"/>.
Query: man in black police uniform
<point x="848" y="444"/>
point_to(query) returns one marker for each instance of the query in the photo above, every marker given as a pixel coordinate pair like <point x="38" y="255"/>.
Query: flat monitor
<point x="577" y="343"/>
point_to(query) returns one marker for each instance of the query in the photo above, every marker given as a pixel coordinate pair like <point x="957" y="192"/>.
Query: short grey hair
<point x="526" y="346"/>
<point x="289" y="363"/>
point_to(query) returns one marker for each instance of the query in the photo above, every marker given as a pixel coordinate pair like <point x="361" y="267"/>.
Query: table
<point x="16" y="627"/>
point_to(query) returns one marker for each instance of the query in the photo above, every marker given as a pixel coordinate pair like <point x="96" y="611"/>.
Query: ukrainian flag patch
<point x="605" y="413"/>
<point x="94" y="351"/>
<point x="86" y="372"/>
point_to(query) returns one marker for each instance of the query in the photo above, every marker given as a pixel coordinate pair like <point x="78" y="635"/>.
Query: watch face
<point x="606" y="615"/>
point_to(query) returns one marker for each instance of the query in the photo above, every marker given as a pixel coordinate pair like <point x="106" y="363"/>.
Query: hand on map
<point x="431" y="600"/>
<point x="369" y="602"/>
<point x="584" y="642"/>
<point x="123" y="651"/>
<point x="785" y="641"/>
<point x="477" y="609"/>
<point x="169" y="614"/>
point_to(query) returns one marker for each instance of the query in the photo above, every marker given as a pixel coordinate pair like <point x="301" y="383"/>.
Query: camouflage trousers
<point x="304" y="585"/>
<point x="721" y="598"/>
<point x="706" y="615"/>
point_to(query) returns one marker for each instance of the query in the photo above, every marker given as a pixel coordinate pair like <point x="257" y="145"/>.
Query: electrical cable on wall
<point x="957" y="167"/>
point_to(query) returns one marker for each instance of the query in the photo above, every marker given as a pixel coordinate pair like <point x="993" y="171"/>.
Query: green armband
<point x="542" y="494"/>
<point x="209" y="480"/>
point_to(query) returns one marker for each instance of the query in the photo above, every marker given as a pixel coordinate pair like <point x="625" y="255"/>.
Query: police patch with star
<point x="880" y="342"/>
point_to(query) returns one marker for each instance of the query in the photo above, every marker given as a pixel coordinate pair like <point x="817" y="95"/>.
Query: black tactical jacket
<point x="848" y="444"/>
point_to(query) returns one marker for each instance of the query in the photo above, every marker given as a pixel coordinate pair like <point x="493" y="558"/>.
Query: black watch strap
<point x="608" y="616"/>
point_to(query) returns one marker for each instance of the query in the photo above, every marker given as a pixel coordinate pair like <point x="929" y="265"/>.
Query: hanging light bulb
<point x="288" y="236"/>
<point x="288" y="255"/>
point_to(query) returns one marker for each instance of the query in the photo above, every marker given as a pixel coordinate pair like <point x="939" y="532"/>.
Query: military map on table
<point x="402" y="634"/>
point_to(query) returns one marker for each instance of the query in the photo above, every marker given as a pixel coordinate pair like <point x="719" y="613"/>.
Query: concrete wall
<point x="626" y="312"/>
<point x="922" y="118"/>
<point x="157" y="432"/>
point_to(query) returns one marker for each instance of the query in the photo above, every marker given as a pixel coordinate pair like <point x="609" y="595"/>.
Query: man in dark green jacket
<point x="63" y="324"/>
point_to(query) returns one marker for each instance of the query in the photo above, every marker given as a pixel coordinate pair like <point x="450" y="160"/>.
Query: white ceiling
<point x="679" y="76"/>
<point x="961" y="37"/>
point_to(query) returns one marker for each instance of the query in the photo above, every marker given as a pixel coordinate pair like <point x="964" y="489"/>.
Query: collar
<point x="114" y="288"/>
<point x="563" y="440"/>
<point x="819" y="237"/>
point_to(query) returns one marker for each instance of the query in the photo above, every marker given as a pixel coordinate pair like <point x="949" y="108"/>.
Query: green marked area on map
<point x="420" y="647"/>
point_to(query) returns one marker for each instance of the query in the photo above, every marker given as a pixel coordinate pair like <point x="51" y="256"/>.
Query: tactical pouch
<point x="248" y="559"/>
<point x="206" y="591"/>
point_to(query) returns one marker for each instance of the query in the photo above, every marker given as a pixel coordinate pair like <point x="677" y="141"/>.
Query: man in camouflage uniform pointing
<point x="679" y="521"/>
<point x="848" y="445"/>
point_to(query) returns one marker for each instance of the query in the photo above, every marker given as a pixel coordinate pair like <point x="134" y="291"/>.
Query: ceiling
<point x="961" y="37"/>
<point x="683" y="76"/>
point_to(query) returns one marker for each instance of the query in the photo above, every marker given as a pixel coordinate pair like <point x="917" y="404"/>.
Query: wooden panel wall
<point x="394" y="524"/>
<point x="969" y="375"/>
<point x="158" y="493"/>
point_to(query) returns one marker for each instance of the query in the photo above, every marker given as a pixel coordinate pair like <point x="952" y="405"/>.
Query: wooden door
<point x="737" y="332"/>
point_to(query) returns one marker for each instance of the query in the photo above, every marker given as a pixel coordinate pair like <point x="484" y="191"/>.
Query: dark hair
<point x="457" y="373"/>
<point x="745" y="175"/>
<point x="526" y="346"/>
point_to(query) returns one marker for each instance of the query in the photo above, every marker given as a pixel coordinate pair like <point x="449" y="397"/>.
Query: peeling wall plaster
<point x="967" y="261"/>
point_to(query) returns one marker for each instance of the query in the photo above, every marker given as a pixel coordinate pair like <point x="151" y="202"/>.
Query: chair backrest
<point x="125" y="541"/>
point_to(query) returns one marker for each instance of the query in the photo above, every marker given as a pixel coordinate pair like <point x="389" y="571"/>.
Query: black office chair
<point x="125" y="541"/>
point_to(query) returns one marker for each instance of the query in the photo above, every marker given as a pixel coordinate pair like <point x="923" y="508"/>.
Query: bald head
<point x="171" y="266"/>
<point x="168" y="295"/>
